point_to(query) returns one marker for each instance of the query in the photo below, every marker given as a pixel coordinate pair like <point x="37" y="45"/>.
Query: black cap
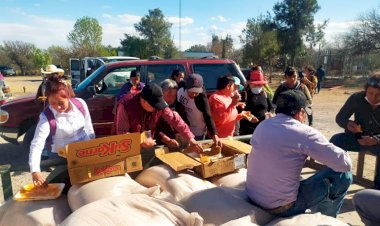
<point x="152" y="93"/>
<point x="194" y="83"/>
<point x="291" y="101"/>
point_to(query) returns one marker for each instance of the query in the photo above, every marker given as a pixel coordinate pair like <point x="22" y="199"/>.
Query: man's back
<point x="280" y="146"/>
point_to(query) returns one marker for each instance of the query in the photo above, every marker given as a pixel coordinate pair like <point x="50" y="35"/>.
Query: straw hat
<point x="51" y="69"/>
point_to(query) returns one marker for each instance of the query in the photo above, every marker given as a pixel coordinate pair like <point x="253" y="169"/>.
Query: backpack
<point x="53" y="124"/>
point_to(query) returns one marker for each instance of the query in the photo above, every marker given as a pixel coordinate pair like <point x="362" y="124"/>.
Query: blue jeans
<point x="348" y="142"/>
<point x="323" y="192"/>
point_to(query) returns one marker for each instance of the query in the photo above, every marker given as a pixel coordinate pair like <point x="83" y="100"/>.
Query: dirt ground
<point x="325" y="107"/>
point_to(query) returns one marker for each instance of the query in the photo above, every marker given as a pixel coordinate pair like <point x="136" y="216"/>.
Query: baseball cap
<point x="152" y="93"/>
<point x="238" y="83"/>
<point x="291" y="101"/>
<point x="194" y="83"/>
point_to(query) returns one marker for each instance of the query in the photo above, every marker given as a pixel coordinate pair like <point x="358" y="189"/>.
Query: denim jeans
<point x="348" y="142"/>
<point x="323" y="192"/>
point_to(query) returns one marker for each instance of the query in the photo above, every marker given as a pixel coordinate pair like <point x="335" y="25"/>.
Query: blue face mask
<point x="256" y="90"/>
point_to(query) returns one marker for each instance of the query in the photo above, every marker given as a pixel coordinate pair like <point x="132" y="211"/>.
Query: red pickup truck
<point x="99" y="89"/>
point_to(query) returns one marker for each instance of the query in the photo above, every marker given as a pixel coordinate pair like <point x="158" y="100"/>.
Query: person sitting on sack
<point x="280" y="147"/>
<point x="148" y="107"/>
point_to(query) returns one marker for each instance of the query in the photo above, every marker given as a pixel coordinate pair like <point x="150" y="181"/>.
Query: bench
<point x="358" y="176"/>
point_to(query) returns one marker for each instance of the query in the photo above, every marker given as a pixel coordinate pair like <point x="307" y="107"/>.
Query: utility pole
<point x="180" y="15"/>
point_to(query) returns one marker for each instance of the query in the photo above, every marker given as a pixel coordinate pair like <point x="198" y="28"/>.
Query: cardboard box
<point x="235" y="157"/>
<point x="103" y="157"/>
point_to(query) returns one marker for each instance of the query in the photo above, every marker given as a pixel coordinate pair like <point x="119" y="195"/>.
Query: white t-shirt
<point x="194" y="116"/>
<point x="71" y="127"/>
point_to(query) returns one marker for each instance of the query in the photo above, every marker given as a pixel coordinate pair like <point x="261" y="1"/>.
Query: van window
<point x="159" y="72"/>
<point x="211" y="73"/>
<point x="115" y="79"/>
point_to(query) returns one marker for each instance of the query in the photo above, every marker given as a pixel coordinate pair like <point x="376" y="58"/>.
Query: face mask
<point x="256" y="90"/>
<point x="377" y="104"/>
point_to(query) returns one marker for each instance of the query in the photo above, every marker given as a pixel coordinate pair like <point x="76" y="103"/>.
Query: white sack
<point x="178" y="184"/>
<point x="243" y="221"/>
<point x="316" y="219"/>
<point x="30" y="213"/>
<point x="217" y="207"/>
<point x="234" y="179"/>
<point x="135" y="209"/>
<point x="82" y="194"/>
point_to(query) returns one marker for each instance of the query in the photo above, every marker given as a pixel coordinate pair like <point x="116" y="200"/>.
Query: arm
<point x="219" y="112"/>
<point x="38" y="143"/>
<point x="124" y="90"/>
<point x="344" y="114"/>
<point x="87" y="120"/>
<point x="202" y="104"/>
<point x="121" y="121"/>
<point x="319" y="148"/>
<point x="174" y="120"/>
<point x="307" y="94"/>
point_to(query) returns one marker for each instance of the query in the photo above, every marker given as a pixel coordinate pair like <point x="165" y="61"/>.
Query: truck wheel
<point x="29" y="136"/>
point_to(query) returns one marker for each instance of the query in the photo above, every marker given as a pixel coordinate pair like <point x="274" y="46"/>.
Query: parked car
<point x="99" y="90"/>
<point x="7" y="71"/>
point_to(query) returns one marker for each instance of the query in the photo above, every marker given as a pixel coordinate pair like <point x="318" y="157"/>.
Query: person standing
<point x="196" y="109"/>
<point x="223" y="105"/>
<point x="363" y="132"/>
<point x="257" y="103"/>
<point x="72" y="124"/>
<point x="51" y="71"/>
<point x="280" y="147"/>
<point x="134" y="85"/>
<point x="310" y="80"/>
<point x="321" y="76"/>
<point x="291" y="83"/>
<point x="148" y="107"/>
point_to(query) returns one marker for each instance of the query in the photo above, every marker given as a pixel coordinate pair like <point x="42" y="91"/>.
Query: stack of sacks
<point x="47" y="212"/>
<point x="178" y="185"/>
<point x="80" y="195"/>
<point x="134" y="209"/>
<point x="218" y="207"/>
<point x="316" y="219"/>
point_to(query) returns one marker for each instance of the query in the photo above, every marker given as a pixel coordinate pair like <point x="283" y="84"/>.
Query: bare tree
<point x="20" y="53"/>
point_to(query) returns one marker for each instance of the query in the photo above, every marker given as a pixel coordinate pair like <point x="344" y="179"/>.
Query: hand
<point x="217" y="141"/>
<point x="172" y="143"/>
<point x="367" y="141"/>
<point x="241" y="105"/>
<point x="148" y="143"/>
<point x="268" y="115"/>
<point x="195" y="146"/>
<point x="39" y="180"/>
<point x="235" y="99"/>
<point x="254" y="119"/>
<point x="354" y="127"/>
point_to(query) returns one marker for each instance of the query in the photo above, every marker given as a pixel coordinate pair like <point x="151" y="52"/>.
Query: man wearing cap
<point x="280" y="147"/>
<point x="132" y="86"/>
<point x="141" y="111"/>
<point x="362" y="133"/>
<point x="257" y="103"/>
<point x="196" y="109"/>
<point x="223" y="105"/>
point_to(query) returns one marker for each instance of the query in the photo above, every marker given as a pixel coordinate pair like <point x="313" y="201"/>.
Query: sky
<point x="48" y="22"/>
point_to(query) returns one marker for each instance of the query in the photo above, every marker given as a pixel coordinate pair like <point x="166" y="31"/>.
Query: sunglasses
<point x="374" y="82"/>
